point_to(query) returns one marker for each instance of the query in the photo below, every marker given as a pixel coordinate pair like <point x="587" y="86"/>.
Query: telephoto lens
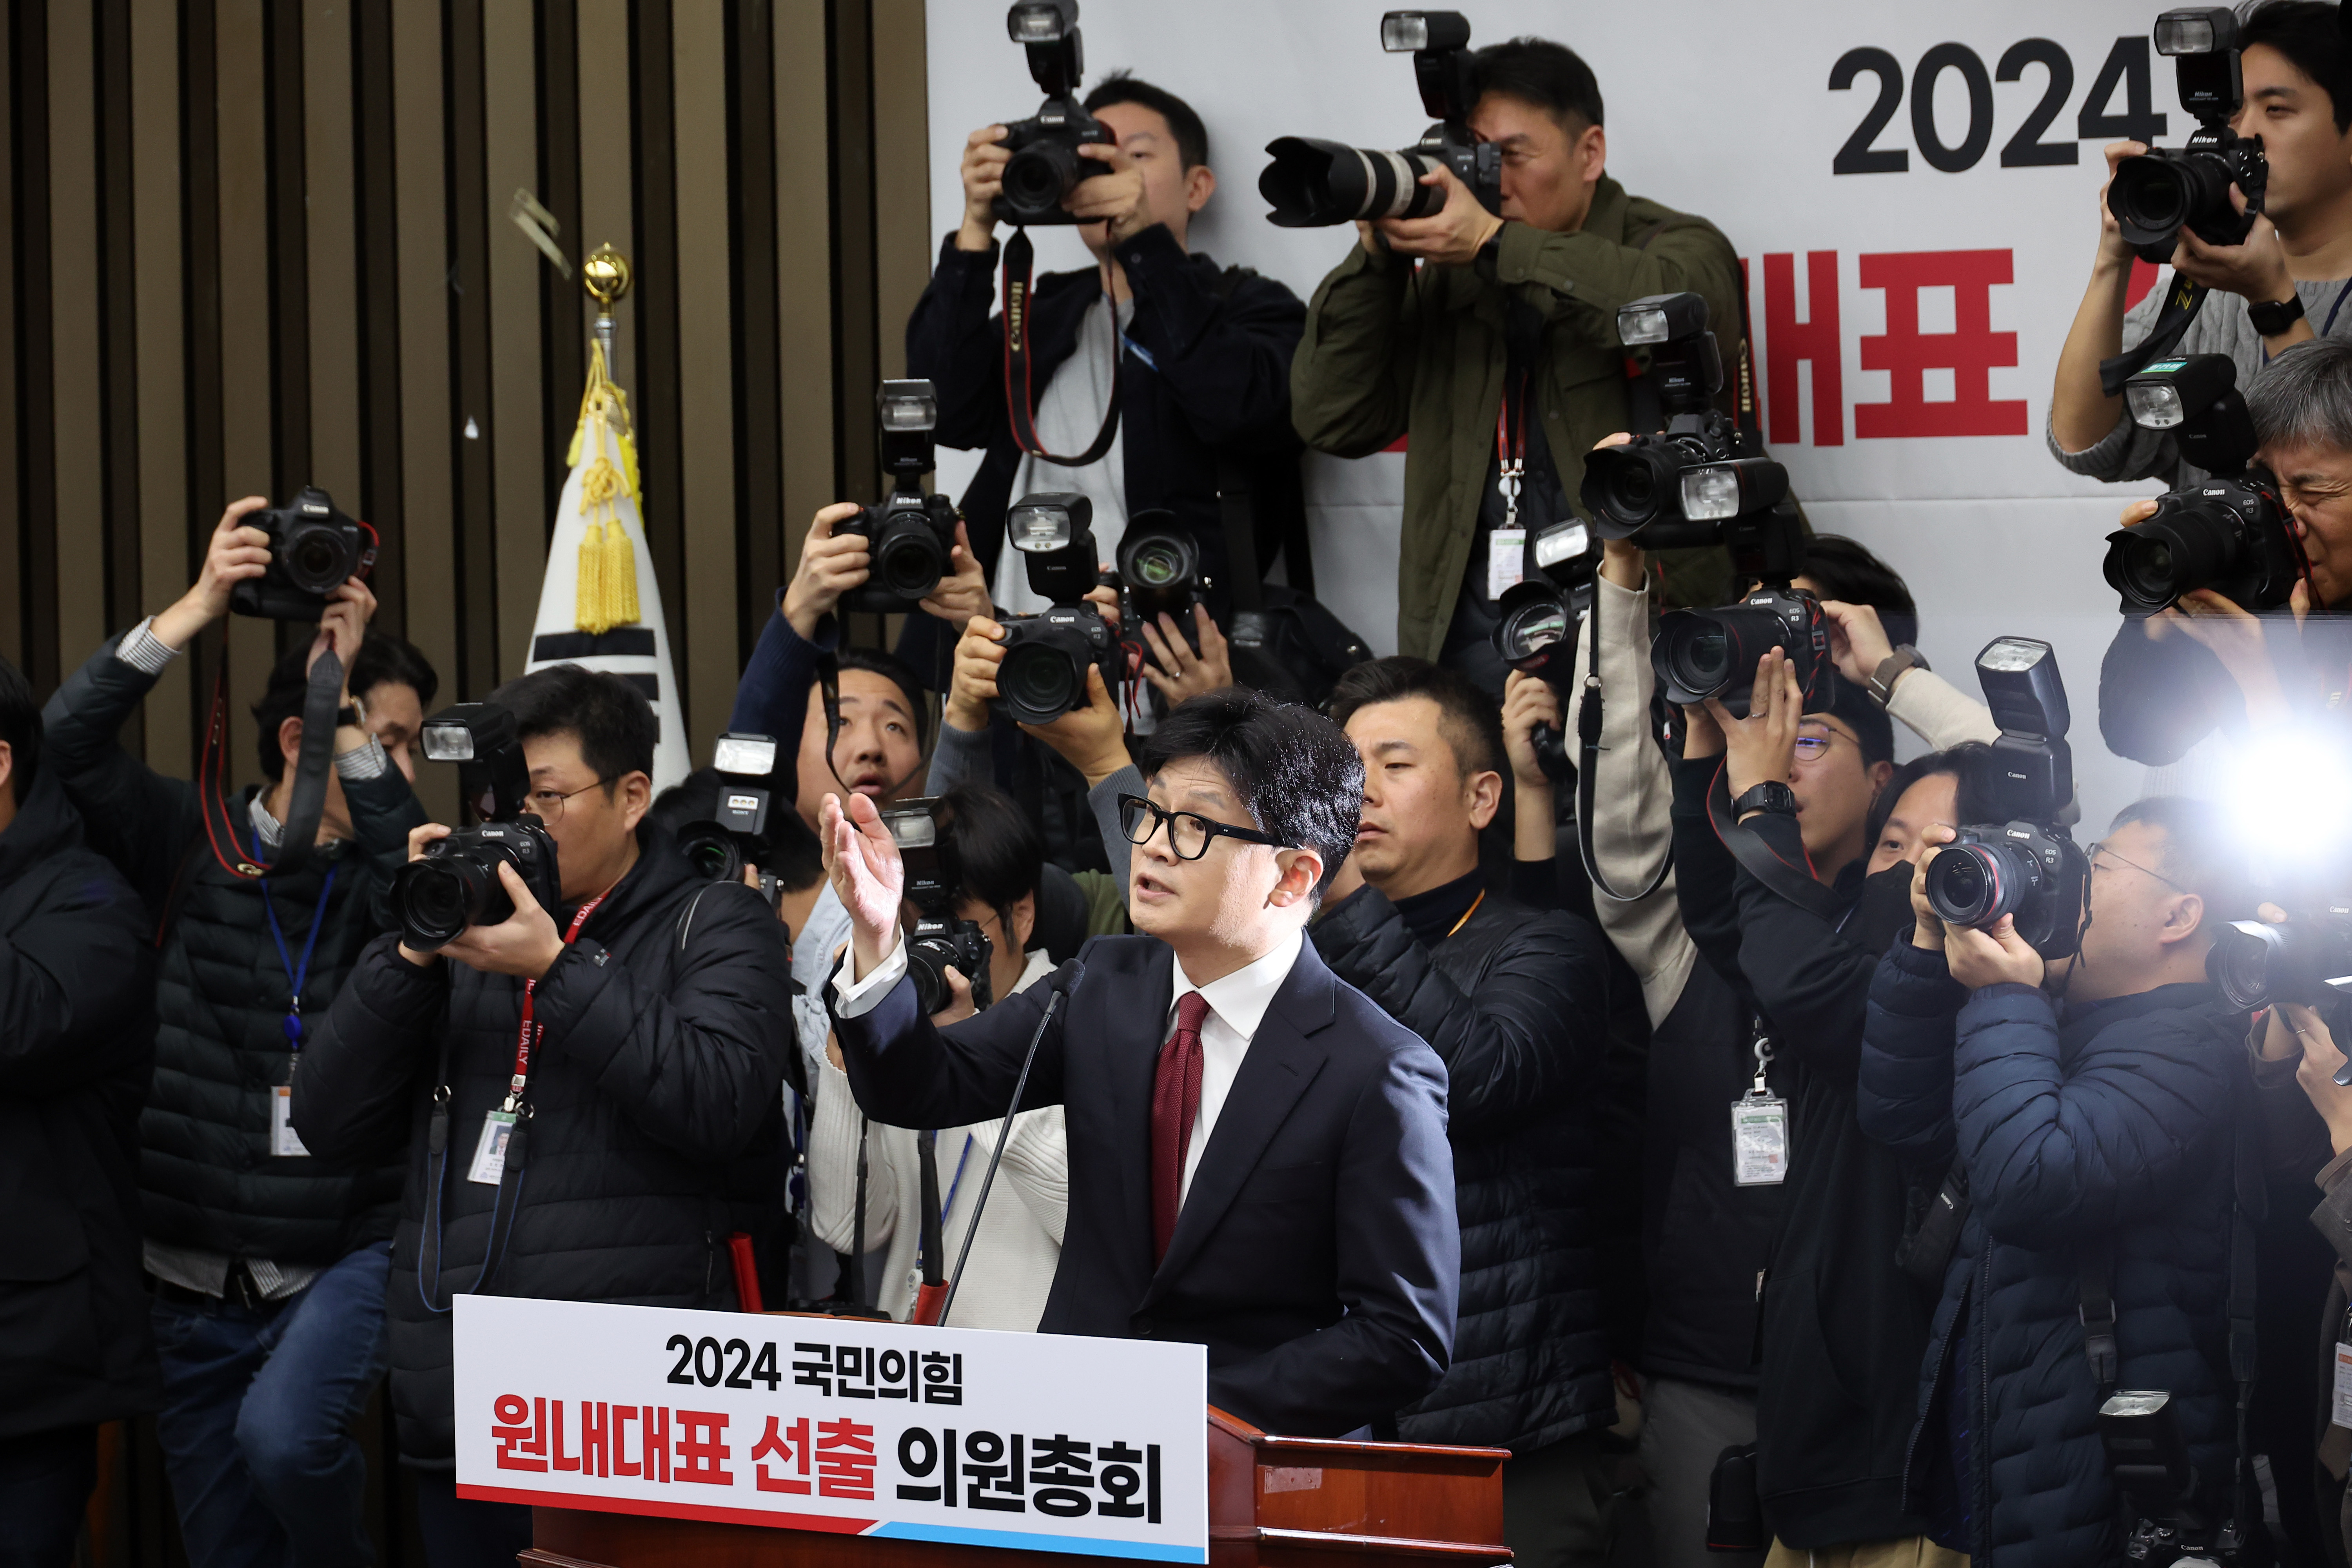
<point x="2256" y="963"/>
<point x="1312" y="183"/>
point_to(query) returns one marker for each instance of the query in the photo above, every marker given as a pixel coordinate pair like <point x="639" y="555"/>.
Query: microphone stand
<point x="1064" y="984"/>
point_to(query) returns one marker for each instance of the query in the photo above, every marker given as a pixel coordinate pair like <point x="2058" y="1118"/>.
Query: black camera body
<point x="2161" y="192"/>
<point x="1160" y="570"/>
<point x="1046" y="656"/>
<point x="2147" y="1455"/>
<point x="314" y="549"/>
<point x="2231" y="533"/>
<point x="1313" y="184"/>
<point x="1699" y="653"/>
<point x="938" y="938"/>
<point x="1684" y="486"/>
<point x="911" y="536"/>
<point x="2256" y="963"/>
<point x="2027" y="866"/>
<point x="736" y="833"/>
<point x="1045" y="166"/>
<point x="456" y="884"/>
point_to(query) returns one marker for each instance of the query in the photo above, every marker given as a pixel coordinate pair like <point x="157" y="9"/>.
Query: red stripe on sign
<point x="1395" y="446"/>
<point x="825" y="1523"/>
<point x="2143" y="278"/>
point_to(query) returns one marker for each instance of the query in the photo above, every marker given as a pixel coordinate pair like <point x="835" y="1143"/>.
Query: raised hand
<point x="861" y="861"/>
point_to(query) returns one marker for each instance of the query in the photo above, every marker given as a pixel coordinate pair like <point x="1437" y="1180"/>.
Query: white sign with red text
<point x="1037" y="1442"/>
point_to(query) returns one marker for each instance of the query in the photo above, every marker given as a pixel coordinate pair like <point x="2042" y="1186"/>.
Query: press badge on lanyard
<point x="1759" y="1130"/>
<point x="489" y="1166"/>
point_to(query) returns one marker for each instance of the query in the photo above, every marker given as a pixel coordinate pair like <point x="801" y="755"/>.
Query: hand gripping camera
<point x="1045" y="166"/>
<point x="2161" y="192"/>
<point x="314" y="550"/>
<point x="2231" y="533"/>
<point x="939" y="937"/>
<point x="909" y="537"/>
<point x="1317" y="184"/>
<point x="456" y="884"/>
<point x="1046" y="656"/>
<point x="2028" y="866"/>
<point x="1693" y="483"/>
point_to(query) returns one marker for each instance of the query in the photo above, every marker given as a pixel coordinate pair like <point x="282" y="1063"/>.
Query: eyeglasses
<point x="1813" y="748"/>
<point x="2099" y="849"/>
<point x="1188" y="835"/>
<point x="547" y="805"/>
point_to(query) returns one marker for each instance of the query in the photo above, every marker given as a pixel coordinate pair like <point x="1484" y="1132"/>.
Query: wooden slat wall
<point x="254" y="244"/>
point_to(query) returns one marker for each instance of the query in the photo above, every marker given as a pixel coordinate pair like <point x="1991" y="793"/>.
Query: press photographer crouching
<point x="979" y="900"/>
<point x="2236" y="588"/>
<point x="267" y="1259"/>
<point x="587" y="1159"/>
<point x="2096" y="1107"/>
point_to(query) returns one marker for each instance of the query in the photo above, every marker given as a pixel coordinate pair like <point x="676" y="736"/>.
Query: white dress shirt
<point x="1237" y="1004"/>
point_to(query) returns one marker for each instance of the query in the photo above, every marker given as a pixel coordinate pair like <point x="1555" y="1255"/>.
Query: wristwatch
<point x="1770" y="795"/>
<point x="2272" y="317"/>
<point x="1890" y="670"/>
<point x="351" y="713"/>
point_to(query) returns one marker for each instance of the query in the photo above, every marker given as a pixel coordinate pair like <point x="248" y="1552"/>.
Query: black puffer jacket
<point x="206" y="1170"/>
<point x="77" y="1043"/>
<point x="1515" y="1002"/>
<point x="660" y="1070"/>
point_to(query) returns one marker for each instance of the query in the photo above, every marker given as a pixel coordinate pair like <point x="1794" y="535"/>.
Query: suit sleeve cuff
<point x="856" y="999"/>
<point x="143" y="651"/>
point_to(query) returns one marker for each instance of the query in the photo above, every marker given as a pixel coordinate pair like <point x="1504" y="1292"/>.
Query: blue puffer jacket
<point x="2109" y="1124"/>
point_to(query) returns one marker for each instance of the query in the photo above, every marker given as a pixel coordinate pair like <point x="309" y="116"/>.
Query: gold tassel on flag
<point x="607" y="592"/>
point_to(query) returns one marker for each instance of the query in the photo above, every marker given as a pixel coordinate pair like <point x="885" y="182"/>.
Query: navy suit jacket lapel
<point x="1282" y="1059"/>
<point x="1137" y="1017"/>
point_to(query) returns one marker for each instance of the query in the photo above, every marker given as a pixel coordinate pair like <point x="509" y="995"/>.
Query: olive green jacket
<point x="1386" y="353"/>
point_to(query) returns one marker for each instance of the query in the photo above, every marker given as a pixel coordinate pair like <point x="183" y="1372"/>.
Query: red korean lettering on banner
<point x="1971" y="351"/>
<point x="701" y="1453"/>
<point x="844" y="1459"/>
<point x="782" y="1444"/>
<point x="1790" y="343"/>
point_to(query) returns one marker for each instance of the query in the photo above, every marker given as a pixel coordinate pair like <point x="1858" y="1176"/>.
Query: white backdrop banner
<point x="1913" y="189"/>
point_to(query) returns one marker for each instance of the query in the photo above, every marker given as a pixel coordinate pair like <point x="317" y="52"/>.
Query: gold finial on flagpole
<point x="605" y="276"/>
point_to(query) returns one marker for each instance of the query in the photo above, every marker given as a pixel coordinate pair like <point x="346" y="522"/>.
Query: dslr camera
<point x="1537" y="616"/>
<point x="1699" y="653"/>
<point x="719" y="846"/>
<point x="2231" y="532"/>
<point x="1687" y="485"/>
<point x="939" y="937"/>
<point x="456" y="884"/>
<point x="1047" y="655"/>
<point x="1158" y="570"/>
<point x="2307" y="959"/>
<point x="1045" y="166"/>
<point x="2028" y="866"/>
<point x="1318" y="185"/>
<point x="2170" y="1509"/>
<point x="2161" y="192"/>
<point x="314" y="550"/>
<point x="911" y="537"/>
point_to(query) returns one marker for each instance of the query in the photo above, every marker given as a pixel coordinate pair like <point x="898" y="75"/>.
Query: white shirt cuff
<point x="856" y="1000"/>
<point x="370" y="761"/>
<point x="143" y="651"/>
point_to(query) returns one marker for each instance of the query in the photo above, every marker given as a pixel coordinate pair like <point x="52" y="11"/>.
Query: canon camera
<point x="314" y="550"/>
<point x="455" y="884"/>
<point x="2303" y="959"/>
<point x="1045" y="166"/>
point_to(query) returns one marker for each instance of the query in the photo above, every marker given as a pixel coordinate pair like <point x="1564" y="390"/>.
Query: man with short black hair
<point x="1515" y="1002"/>
<point x="1505" y="335"/>
<point x="1211" y="1060"/>
<point x="1200" y="353"/>
<point x="269" y="1258"/>
<point x="77" y="996"/>
<point x="2095" y="1105"/>
<point x="658" y="1054"/>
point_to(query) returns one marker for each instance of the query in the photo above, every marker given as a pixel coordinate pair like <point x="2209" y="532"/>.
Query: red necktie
<point x="1175" y="1105"/>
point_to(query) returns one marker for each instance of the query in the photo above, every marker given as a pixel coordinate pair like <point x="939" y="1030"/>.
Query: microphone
<point x="1065" y="980"/>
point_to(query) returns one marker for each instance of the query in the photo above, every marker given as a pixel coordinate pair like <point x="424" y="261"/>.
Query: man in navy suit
<point x="1258" y="1157"/>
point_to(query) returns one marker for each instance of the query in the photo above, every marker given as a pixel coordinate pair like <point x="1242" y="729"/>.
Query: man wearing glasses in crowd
<point x="1258" y="1157"/>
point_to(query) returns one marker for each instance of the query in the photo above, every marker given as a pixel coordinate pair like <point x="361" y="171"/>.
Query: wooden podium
<point x="1279" y="1503"/>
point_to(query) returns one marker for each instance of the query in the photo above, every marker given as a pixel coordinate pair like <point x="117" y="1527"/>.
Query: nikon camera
<point x="1047" y="655"/>
<point x="2229" y="533"/>
<point x="940" y="938"/>
<point x="2028" y="866"/>
<point x="2161" y="192"/>
<point x="457" y="883"/>
<point x="314" y="550"/>
<point x="1318" y="185"/>
<point x="1045" y="166"/>
<point x="911" y="537"/>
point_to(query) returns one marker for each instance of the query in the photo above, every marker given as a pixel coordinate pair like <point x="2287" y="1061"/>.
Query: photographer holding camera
<point x="1197" y="355"/>
<point x="2287" y="281"/>
<point x="267" y="1260"/>
<point x="655" y="1008"/>
<point x="1499" y="355"/>
<point x="992" y="855"/>
<point x="2095" y="1112"/>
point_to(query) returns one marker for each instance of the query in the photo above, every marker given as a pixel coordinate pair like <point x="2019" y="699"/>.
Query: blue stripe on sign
<point x="1019" y="1538"/>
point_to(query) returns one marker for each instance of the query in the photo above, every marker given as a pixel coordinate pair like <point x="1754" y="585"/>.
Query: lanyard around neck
<point x="295" y="973"/>
<point x="528" y="1034"/>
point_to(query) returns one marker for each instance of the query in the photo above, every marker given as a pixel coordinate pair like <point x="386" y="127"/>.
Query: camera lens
<point x="1700" y="653"/>
<point x="1632" y="485"/>
<point x="1037" y="177"/>
<point x="907" y="560"/>
<point x="317" y="559"/>
<point x="1975" y="884"/>
<point x="2242" y="961"/>
<point x="1040" y="682"/>
<point x="1315" y="185"/>
<point x="712" y="851"/>
<point x="2158" y="193"/>
<point x="927" y="961"/>
<point x="2192" y="543"/>
<point x="1531" y="631"/>
<point x="1156" y="565"/>
<point x="435" y="899"/>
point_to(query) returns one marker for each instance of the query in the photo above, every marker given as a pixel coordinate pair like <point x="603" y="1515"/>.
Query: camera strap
<point x="308" y="804"/>
<point x="1588" y="768"/>
<point x="1020" y="391"/>
<point x="1797" y="884"/>
<point x="2182" y="301"/>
